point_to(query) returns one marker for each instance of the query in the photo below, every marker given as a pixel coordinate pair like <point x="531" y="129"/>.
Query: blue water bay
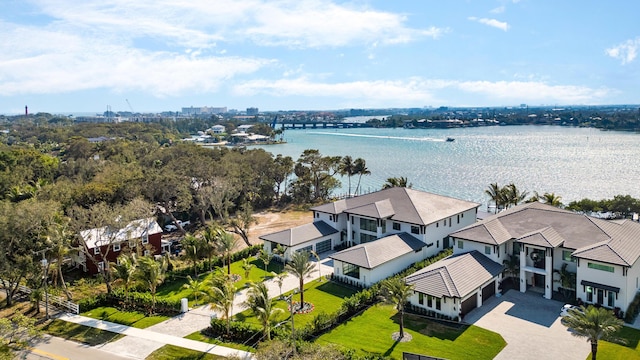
<point x="571" y="162"/>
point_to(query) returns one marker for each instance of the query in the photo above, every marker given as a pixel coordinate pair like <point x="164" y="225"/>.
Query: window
<point x="368" y="225"/>
<point x="429" y="301"/>
<point x="317" y="215"/>
<point x="145" y="238"/>
<point x="384" y="226"/>
<point x="458" y="219"/>
<point x="116" y="247"/>
<point x="600" y="267"/>
<point x="351" y="270"/>
<point x="147" y="253"/>
<point x="438" y="304"/>
<point x="566" y="256"/>
<point x="460" y="244"/>
<point x="415" y="229"/>
<point x="438" y="244"/>
<point x="487" y="249"/>
<point x="449" y="222"/>
<point x="96" y="251"/>
<point x="365" y="238"/>
<point x="396" y="226"/>
<point x="421" y="298"/>
<point x="101" y="266"/>
<point x="611" y="299"/>
<point x="516" y="247"/>
<point x="438" y="224"/>
<point x="589" y="294"/>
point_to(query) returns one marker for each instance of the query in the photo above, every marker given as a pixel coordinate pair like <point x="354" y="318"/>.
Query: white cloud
<point x="625" y="52"/>
<point x="498" y="10"/>
<point x="491" y="22"/>
<point x="411" y="91"/>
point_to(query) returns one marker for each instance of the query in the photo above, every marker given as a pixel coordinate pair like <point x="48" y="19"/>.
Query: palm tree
<point x="567" y="280"/>
<point x="279" y="279"/>
<point x="512" y="267"/>
<point x="247" y="266"/>
<point x="265" y="257"/>
<point x="300" y="267"/>
<point x="195" y="285"/>
<point x="347" y="167"/>
<point x="221" y="296"/>
<point x="360" y="168"/>
<point x="190" y="245"/>
<point x="226" y="244"/>
<point x="594" y="324"/>
<point x="125" y="270"/>
<point x="263" y="306"/>
<point x="151" y="273"/>
<point x="60" y="239"/>
<point x="396" y="182"/>
<point x="513" y="195"/>
<point x="495" y="193"/>
<point x="396" y="291"/>
<point x="210" y="237"/>
<point x="552" y="199"/>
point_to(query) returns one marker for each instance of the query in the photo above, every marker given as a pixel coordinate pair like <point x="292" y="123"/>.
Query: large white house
<point x="602" y="255"/>
<point x="377" y="234"/>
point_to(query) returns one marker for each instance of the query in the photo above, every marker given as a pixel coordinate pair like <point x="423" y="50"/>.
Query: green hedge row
<point x="138" y="301"/>
<point x="203" y="266"/>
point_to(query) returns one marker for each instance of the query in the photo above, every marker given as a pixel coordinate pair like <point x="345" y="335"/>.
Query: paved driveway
<point x="530" y="324"/>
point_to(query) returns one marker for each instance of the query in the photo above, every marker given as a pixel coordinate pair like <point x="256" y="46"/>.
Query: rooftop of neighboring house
<point x="372" y="254"/>
<point x="610" y="241"/>
<point x="300" y="234"/>
<point x="455" y="276"/>
<point x="400" y="204"/>
<point x="105" y="236"/>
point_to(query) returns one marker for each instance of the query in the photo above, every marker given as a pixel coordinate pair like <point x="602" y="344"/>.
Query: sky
<point x="70" y="56"/>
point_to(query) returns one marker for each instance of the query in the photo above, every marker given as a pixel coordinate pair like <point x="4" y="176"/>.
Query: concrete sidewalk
<point x="154" y="336"/>
<point x="140" y="343"/>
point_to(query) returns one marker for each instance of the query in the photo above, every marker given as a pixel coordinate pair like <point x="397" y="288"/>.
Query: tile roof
<point x="610" y="241"/>
<point x="135" y="229"/>
<point x="301" y="234"/>
<point x="371" y="254"/>
<point x="455" y="276"/>
<point x="404" y="205"/>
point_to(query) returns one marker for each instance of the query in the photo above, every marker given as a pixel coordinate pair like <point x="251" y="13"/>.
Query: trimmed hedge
<point x="138" y="301"/>
<point x="203" y="266"/>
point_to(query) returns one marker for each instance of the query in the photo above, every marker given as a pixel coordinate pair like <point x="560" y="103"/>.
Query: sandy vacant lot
<point x="270" y="222"/>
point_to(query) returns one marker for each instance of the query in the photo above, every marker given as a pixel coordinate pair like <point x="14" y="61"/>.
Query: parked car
<point x="565" y="309"/>
<point x="173" y="227"/>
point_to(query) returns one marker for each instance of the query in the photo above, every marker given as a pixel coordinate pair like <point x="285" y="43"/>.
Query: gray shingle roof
<point x="371" y="254"/>
<point x="408" y="205"/>
<point x="301" y="234"/>
<point x="455" y="276"/>
<point x="615" y="242"/>
<point x="380" y="210"/>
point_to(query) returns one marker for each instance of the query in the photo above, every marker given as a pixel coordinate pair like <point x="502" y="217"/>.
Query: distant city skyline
<point x="65" y="56"/>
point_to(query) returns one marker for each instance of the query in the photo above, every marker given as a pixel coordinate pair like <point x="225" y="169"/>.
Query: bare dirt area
<point x="274" y="221"/>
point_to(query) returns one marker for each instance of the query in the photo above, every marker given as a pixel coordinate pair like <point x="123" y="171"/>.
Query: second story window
<point x="415" y="229"/>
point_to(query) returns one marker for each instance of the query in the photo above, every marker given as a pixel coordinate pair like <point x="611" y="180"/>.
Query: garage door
<point x="469" y="304"/>
<point x="307" y="249"/>
<point x="488" y="292"/>
<point x="323" y="246"/>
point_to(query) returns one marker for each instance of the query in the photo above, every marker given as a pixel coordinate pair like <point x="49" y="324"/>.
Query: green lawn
<point x="170" y="352"/>
<point x="129" y="318"/>
<point x="371" y="333"/>
<point x="631" y="350"/>
<point x="325" y="296"/>
<point x="174" y="290"/>
<point x="80" y="333"/>
<point x="199" y="337"/>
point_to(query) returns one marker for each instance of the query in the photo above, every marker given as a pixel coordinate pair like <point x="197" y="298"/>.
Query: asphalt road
<point x="55" y="348"/>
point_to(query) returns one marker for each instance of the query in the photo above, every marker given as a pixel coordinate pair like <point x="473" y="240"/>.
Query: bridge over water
<point x="322" y="125"/>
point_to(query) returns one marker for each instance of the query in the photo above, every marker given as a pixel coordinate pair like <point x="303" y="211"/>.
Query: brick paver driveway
<point x="530" y="324"/>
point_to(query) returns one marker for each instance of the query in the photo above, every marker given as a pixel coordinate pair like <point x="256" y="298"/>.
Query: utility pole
<point x="289" y="300"/>
<point x="45" y="267"/>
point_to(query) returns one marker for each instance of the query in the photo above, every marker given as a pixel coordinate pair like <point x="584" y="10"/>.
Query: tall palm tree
<point x="222" y="293"/>
<point x="396" y="291"/>
<point x="300" y="267"/>
<point x="594" y="324"/>
<point x="60" y="243"/>
<point x="495" y="193"/>
<point x="567" y="280"/>
<point x="226" y="244"/>
<point x="191" y="247"/>
<point x="396" y="182"/>
<point x="151" y="273"/>
<point x="247" y="266"/>
<point x="552" y="199"/>
<point x="513" y="195"/>
<point x="347" y="167"/>
<point x="360" y="168"/>
<point x="263" y="306"/>
<point x="210" y="238"/>
<point x="125" y="270"/>
<point x="279" y="279"/>
<point x="265" y="257"/>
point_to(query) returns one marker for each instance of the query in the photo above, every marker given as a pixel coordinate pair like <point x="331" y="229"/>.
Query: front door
<point x="600" y="296"/>
<point x="538" y="280"/>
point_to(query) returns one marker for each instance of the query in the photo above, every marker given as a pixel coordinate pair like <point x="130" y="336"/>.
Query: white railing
<point x="54" y="300"/>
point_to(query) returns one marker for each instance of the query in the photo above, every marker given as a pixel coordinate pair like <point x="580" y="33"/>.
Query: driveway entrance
<point x="530" y="324"/>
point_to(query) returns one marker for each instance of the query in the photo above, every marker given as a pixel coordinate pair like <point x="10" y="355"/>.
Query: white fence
<point x="54" y="300"/>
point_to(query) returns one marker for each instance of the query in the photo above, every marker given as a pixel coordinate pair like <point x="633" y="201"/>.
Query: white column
<point x="548" y="284"/>
<point x="479" y="296"/>
<point x="523" y="263"/>
<point x="349" y="239"/>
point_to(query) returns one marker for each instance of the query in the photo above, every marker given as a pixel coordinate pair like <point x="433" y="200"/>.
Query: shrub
<point x="633" y="310"/>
